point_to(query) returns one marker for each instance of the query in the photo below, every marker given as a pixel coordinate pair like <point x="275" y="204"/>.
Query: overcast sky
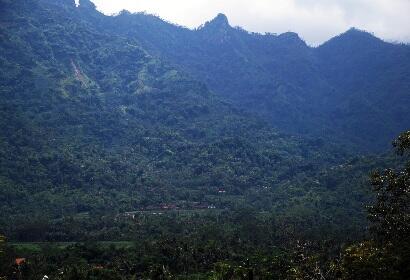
<point x="315" y="20"/>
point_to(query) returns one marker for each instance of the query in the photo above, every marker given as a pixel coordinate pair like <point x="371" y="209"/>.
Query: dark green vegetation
<point x="244" y="247"/>
<point x="178" y="144"/>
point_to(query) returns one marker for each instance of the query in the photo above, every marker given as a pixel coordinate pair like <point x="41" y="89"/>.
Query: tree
<point x="390" y="214"/>
<point x="3" y="257"/>
<point x="387" y="254"/>
<point x="2" y="244"/>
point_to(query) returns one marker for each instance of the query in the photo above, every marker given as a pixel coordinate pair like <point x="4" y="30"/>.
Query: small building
<point x="20" y="261"/>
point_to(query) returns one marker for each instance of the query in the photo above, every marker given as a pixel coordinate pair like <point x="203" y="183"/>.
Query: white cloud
<point x="314" y="20"/>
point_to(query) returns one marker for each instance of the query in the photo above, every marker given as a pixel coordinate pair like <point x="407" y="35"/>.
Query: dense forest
<point x="132" y="148"/>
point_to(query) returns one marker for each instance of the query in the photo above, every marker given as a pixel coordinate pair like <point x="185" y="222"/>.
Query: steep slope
<point x="269" y="75"/>
<point x="92" y="123"/>
<point x="336" y="90"/>
<point x="372" y="85"/>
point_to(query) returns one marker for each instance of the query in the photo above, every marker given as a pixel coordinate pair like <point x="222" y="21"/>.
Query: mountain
<point x="131" y="148"/>
<point x="353" y="88"/>
<point x="93" y="123"/>
<point x="372" y="85"/>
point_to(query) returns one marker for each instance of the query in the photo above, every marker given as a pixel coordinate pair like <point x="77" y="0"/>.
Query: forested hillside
<point x="353" y="88"/>
<point x="92" y="123"/>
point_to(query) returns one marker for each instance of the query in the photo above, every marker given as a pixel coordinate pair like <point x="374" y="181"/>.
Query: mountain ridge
<point x="282" y="71"/>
